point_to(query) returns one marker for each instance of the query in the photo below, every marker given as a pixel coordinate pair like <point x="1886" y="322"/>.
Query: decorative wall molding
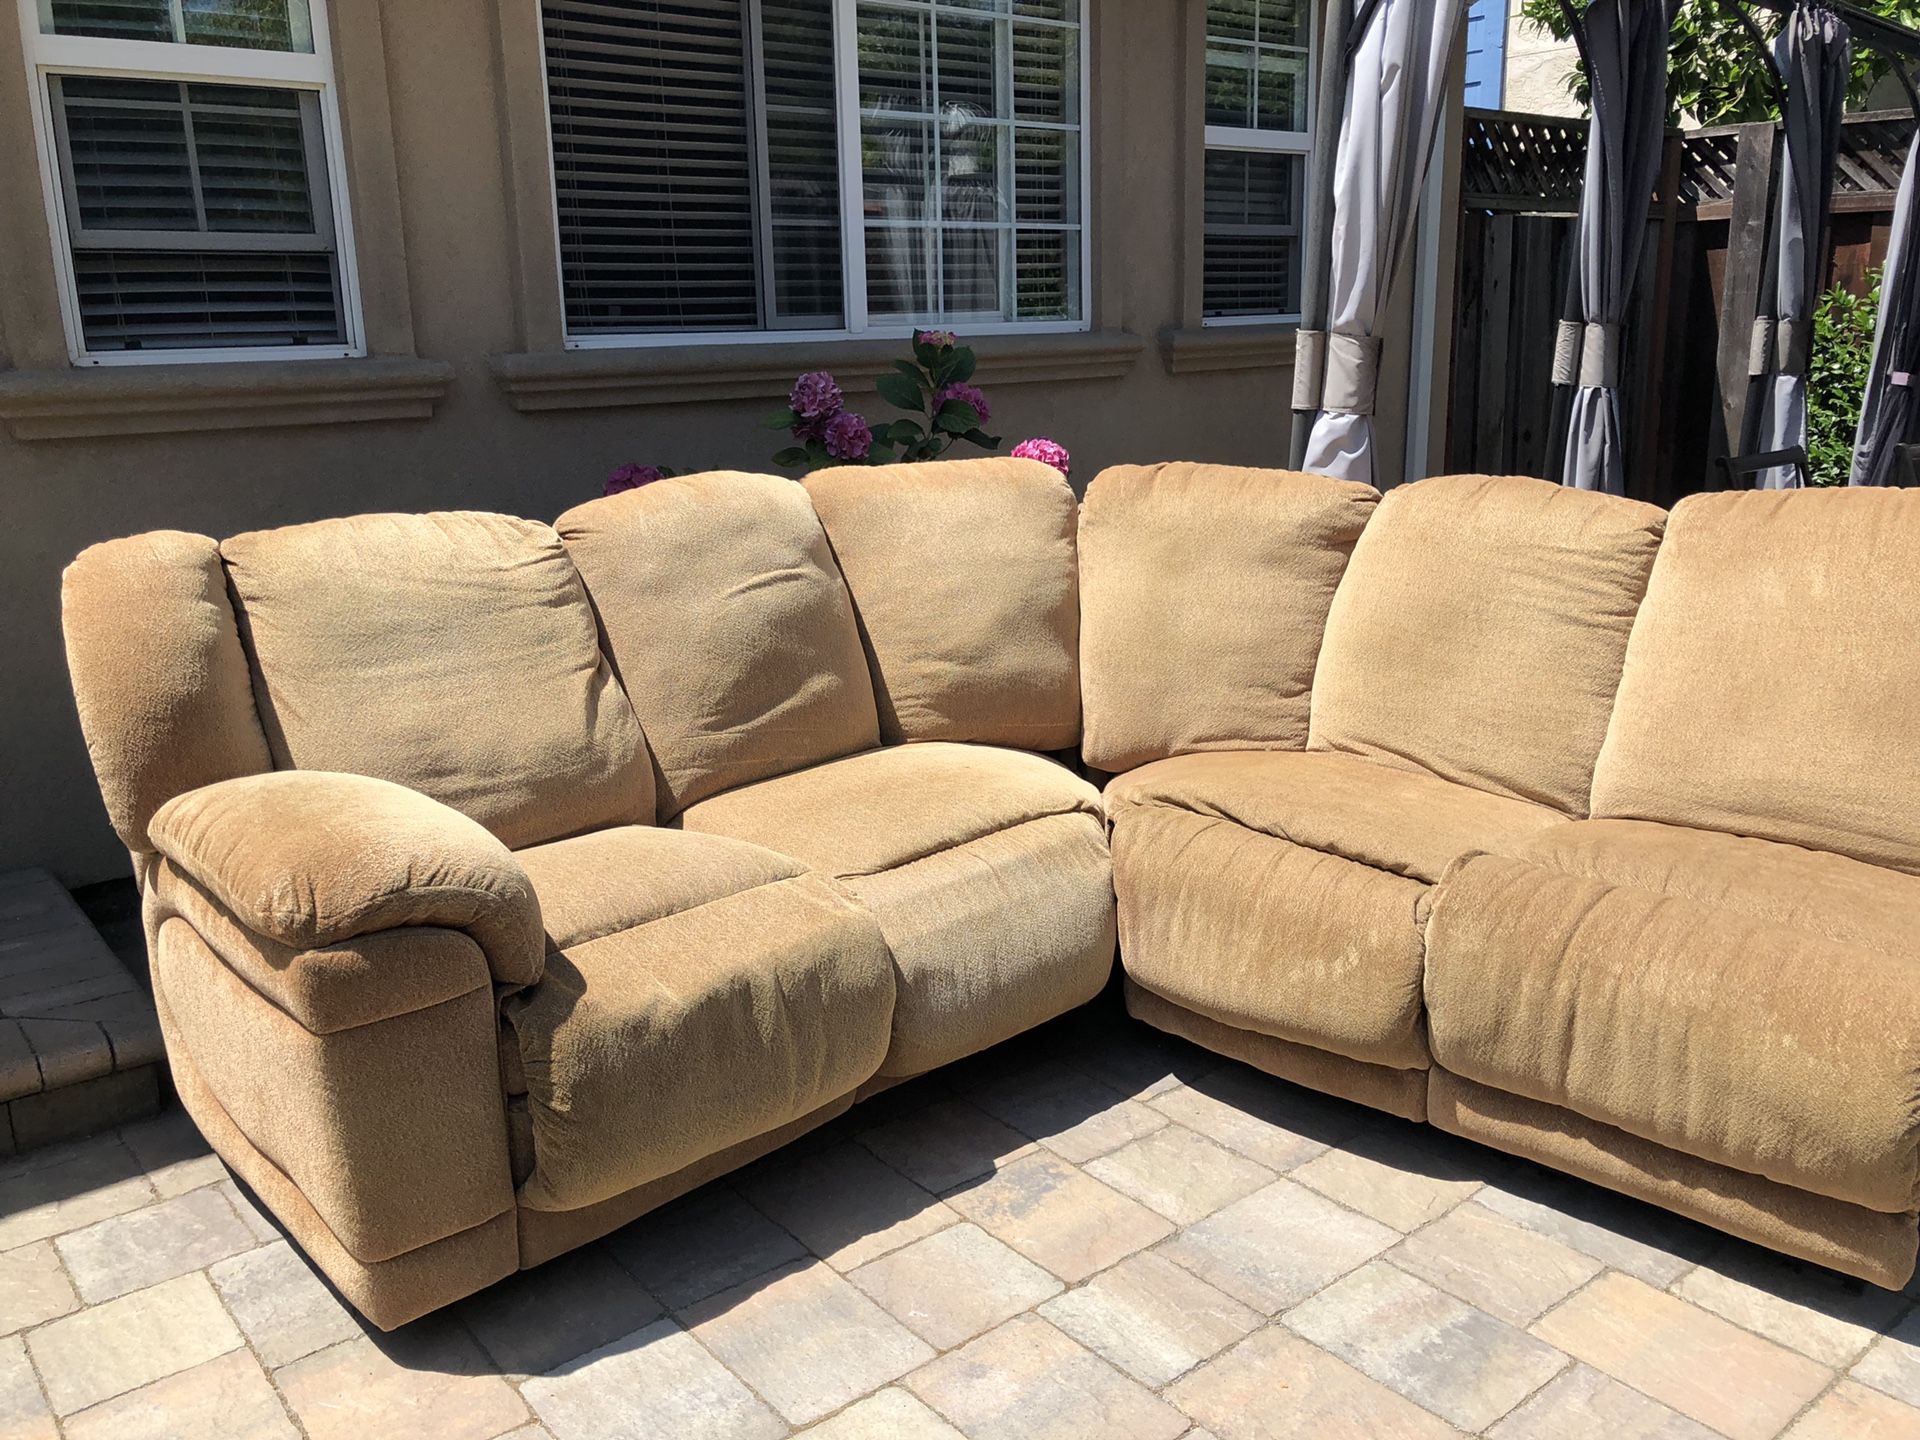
<point x="67" y="404"/>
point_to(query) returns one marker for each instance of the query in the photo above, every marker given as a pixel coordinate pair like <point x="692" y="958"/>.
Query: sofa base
<point x="1398" y="1092"/>
<point x="1872" y="1245"/>
<point x="547" y="1233"/>
<point x="388" y="1292"/>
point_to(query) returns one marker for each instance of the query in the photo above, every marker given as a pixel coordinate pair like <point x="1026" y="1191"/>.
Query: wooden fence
<point x="1684" y="338"/>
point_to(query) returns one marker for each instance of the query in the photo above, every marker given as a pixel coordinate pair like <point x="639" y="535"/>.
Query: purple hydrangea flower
<point x="1045" y="451"/>
<point x="972" y="394"/>
<point x="847" y="437"/>
<point x="631" y="477"/>
<point x="937" y="339"/>
<point x="816" y="397"/>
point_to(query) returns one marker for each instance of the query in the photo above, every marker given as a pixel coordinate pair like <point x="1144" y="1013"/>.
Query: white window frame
<point x="49" y="55"/>
<point x="1246" y="139"/>
<point x="853" y="276"/>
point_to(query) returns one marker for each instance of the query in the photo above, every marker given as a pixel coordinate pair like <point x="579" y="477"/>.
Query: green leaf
<point x="898" y="390"/>
<point x="960" y="410"/>
<point x="963" y="363"/>
<point x="982" y="439"/>
<point x="781" y="420"/>
<point x="911" y="371"/>
<point x="817" y="455"/>
<point x="791" y="456"/>
<point x="900" y="432"/>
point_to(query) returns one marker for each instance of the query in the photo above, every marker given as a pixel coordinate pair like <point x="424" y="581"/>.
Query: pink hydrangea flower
<point x="1046" y="452"/>
<point x="937" y="339"/>
<point x="816" y="397"/>
<point x="972" y="394"/>
<point x="631" y="477"/>
<point x="847" y="437"/>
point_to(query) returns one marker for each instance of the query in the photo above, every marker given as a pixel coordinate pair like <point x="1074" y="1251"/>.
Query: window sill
<point x="678" y="375"/>
<point x="243" y="395"/>
<point x="1228" y="347"/>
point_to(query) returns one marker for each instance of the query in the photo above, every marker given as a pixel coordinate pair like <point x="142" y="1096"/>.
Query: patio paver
<point x="936" y="1271"/>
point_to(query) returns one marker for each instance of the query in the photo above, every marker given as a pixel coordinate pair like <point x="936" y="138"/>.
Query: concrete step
<point x="79" y="1042"/>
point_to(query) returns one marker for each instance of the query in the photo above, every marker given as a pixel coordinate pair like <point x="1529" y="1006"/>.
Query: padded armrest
<point x="310" y="858"/>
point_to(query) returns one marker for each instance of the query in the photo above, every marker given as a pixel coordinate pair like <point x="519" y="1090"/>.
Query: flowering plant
<point x="934" y="388"/>
<point x="1047" y="452"/>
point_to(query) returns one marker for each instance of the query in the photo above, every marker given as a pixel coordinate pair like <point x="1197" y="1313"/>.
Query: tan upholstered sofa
<point x="504" y="881"/>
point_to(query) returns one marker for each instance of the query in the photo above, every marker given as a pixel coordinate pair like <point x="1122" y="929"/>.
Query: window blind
<point x="1252" y="233"/>
<point x="193" y="214"/>
<point x="653" y="168"/>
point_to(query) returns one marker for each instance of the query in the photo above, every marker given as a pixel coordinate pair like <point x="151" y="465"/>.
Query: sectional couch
<point x="504" y="881"/>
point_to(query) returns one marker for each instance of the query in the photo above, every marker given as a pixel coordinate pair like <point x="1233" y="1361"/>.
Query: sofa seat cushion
<point x="1743" y="1001"/>
<point x="1280" y="892"/>
<point x="987" y="871"/>
<point x="699" y="992"/>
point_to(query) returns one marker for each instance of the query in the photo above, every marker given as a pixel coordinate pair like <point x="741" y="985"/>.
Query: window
<point x="754" y="167"/>
<point x="193" y="178"/>
<point x="1259" y="129"/>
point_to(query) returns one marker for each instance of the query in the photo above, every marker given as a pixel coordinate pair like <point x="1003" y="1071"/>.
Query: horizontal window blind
<point x="194" y="214"/>
<point x="1252" y="233"/>
<point x="653" y="170"/>
<point x="701" y="182"/>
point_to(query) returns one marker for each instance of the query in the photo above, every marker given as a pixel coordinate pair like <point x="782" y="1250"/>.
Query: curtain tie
<point x="1792" y="343"/>
<point x="1760" y="345"/>
<point x="1309" y="369"/>
<point x="1586" y="354"/>
<point x="1335" y="372"/>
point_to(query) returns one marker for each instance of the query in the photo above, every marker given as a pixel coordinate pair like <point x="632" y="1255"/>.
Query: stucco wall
<point x="1537" y="68"/>
<point x="455" y="191"/>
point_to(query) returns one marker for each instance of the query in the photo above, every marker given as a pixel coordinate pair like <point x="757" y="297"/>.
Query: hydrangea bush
<point x="934" y="388"/>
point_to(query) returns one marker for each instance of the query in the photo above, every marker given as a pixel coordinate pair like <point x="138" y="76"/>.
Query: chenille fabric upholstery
<point x="1773" y="678"/>
<point x="1745" y="1002"/>
<point x="986" y="870"/>
<point x="734" y="635"/>
<point x="162" y="685"/>
<point x="699" y="992"/>
<point x="963" y="576"/>
<point x="1209" y="583"/>
<point x="1281" y="892"/>
<point x="1877" y="1246"/>
<point x="1479" y="631"/>
<point x="456" y="654"/>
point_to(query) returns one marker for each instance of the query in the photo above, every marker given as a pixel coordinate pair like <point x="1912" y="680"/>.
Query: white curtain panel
<point x="1394" y="93"/>
<point x="1626" y="50"/>
<point x="1890" y="413"/>
<point x="1812" y="53"/>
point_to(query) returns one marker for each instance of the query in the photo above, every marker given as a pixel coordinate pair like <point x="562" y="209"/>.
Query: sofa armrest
<point x="308" y="859"/>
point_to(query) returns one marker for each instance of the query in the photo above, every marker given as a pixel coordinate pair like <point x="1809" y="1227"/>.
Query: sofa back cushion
<point x="1203" y="597"/>
<point x="162" y="686"/>
<point x="453" y="653"/>
<point x="962" y="573"/>
<point x="1772" y="687"/>
<point x="1479" y="632"/>
<point x="731" y="627"/>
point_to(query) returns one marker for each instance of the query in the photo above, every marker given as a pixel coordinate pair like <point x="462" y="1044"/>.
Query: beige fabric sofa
<point x="1597" y="839"/>
<point x="505" y="881"/>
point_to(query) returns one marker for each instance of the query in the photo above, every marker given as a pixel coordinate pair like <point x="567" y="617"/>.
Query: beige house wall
<point x="469" y="401"/>
<point x="1537" y="69"/>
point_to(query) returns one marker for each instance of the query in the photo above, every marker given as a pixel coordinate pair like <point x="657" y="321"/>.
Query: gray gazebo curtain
<point x="1812" y="54"/>
<point x="1624" y="44"/>
<point x="1395" y="87"/>
<point x="1890" y="414"/>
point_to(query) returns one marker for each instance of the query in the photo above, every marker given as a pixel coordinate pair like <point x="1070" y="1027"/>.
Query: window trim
<point x="50" y="55"/>
<point x="852" y="226"/>
<point x="1245" y="139"/>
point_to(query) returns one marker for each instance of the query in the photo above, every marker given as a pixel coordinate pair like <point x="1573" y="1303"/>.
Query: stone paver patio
<point x="1090" y="1233"/>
